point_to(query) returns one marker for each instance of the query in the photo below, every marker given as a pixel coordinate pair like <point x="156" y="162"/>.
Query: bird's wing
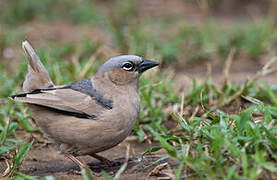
<point x="79" y="99"/>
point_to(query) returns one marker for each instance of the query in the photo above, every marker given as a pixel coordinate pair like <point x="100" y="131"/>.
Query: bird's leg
<point x="105" y="160"/>
<point x="76" y="161"/>
<point x="102" y="159"/>
<point x="80" y="164"/>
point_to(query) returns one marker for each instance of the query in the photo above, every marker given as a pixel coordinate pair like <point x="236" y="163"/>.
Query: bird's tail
<point x="37" y="76"/>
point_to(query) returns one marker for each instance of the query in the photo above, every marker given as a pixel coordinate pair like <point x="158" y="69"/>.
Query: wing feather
<point x="64" y="99"/>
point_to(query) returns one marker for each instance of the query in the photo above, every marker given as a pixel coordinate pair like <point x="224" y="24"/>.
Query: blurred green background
<point x="176" y="31"/>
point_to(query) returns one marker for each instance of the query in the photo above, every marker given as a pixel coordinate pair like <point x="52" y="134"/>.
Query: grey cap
<point x="118" y="61"/>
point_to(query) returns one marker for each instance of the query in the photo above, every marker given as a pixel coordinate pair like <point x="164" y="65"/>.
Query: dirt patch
<point x="43" y="160"/>
<point x="240" y="71"/>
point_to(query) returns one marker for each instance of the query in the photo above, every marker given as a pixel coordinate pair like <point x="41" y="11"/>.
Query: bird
<point x="88" y="116"/>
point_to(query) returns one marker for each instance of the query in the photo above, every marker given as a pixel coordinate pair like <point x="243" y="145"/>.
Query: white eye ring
<point x="128" y="66"/>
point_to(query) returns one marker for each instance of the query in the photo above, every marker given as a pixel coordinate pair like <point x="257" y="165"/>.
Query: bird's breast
<point x="123" y="116"/>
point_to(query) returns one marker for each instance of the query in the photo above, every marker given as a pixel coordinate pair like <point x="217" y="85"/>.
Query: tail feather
<point x="37" y="76"/>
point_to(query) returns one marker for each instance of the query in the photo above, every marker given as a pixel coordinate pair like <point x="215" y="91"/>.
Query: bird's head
<point x="126" y="69"/>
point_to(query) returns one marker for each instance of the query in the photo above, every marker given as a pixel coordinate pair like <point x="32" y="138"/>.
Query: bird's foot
<point x="111" y="163"/>
<point x="106" y="161"/>
<point x="76" y="172"/>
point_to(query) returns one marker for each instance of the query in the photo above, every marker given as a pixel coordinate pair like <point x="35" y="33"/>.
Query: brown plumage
<point x="89" y="116"/>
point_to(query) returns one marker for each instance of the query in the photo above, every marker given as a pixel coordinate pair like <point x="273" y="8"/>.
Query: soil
<point x="44" y="160"/>
<point x="240" y="71"/>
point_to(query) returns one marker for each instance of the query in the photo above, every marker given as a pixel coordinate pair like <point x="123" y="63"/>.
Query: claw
<point x="106" y="161"/>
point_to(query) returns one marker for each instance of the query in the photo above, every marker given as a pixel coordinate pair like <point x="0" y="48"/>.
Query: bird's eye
<point x="128" y="66"/>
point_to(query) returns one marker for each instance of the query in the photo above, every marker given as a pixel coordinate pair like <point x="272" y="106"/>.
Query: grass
<point x="19" y="12"/>
<point x="221" y="132"/>
<point x="211" y="143"/>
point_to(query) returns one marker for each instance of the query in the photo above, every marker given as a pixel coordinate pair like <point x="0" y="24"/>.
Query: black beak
<point x="146" y="64"/>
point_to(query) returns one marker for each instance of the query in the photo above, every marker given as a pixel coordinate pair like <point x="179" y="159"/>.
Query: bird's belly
<point x="115" y="130"/>
<point x="84" y="136"/>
